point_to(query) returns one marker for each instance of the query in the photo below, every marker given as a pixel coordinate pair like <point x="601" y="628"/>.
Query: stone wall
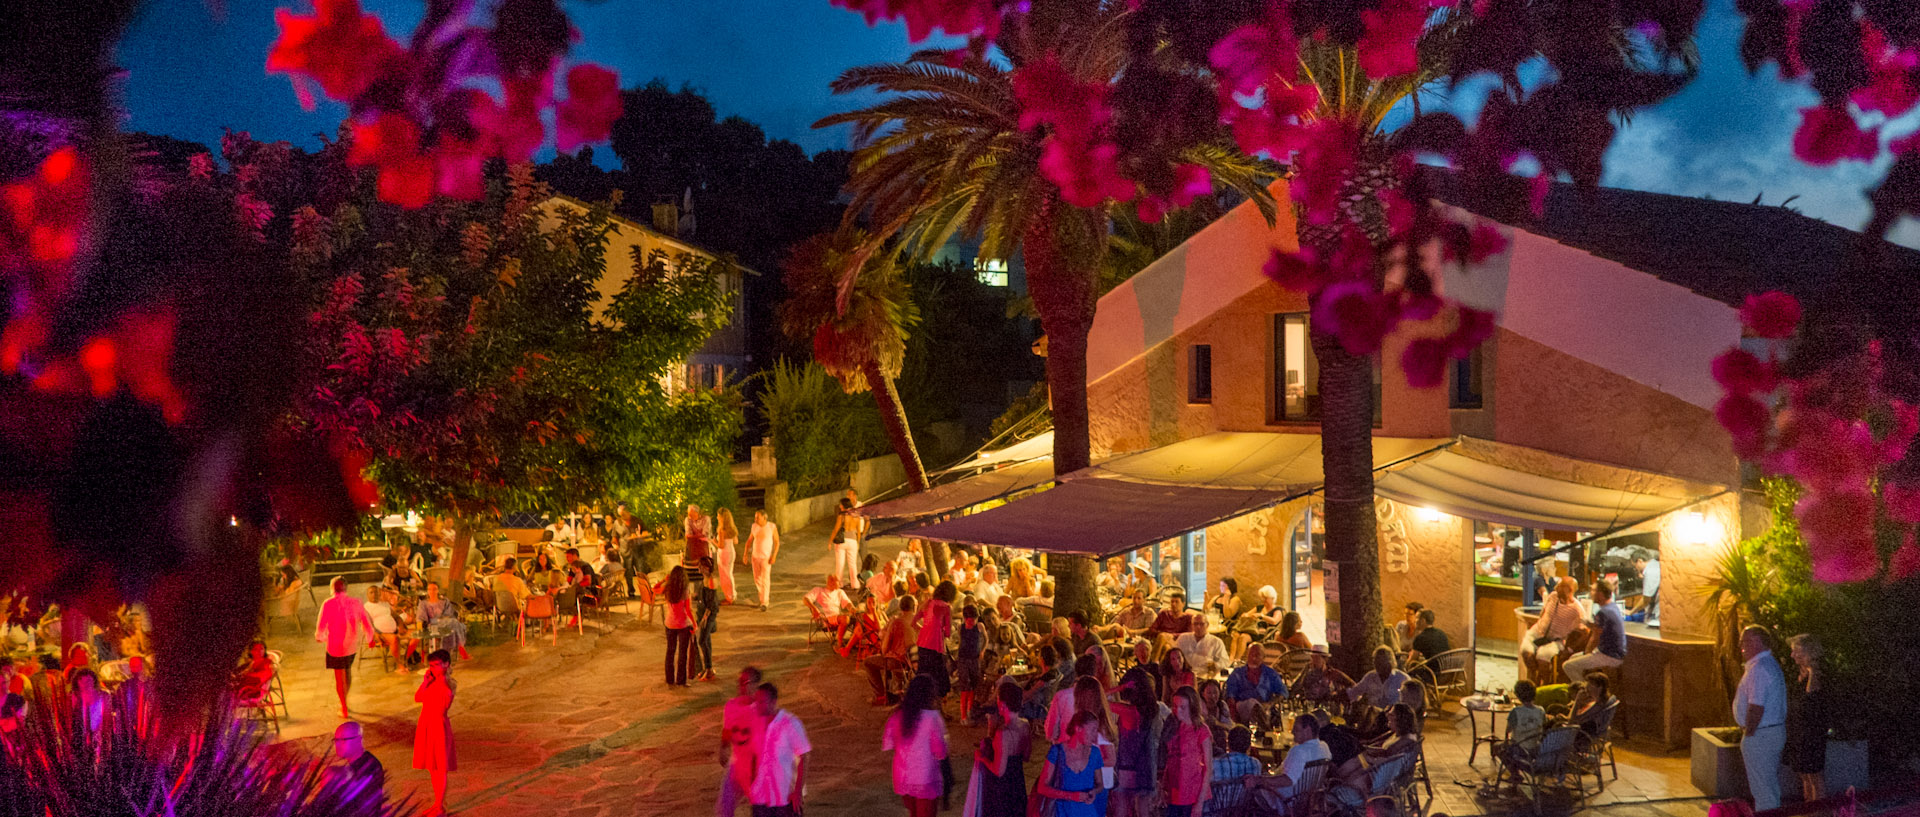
<point x="1428" y="558"/>
<point x="870" y="476"/>
<point x="1690" y="551"/>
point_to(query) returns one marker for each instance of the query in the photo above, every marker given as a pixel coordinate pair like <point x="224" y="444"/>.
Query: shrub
<point x="819" y="431"/>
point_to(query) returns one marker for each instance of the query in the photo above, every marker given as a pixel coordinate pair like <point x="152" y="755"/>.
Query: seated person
<point x="582" y="575"/>
<point x="284" y="575"/>
<point x="386" y="626"/>
<point x="1560" y="618"/>
<point x="1038" y="608"/>
<point x="1142" y="577"/>
<point x="1078" y="635"/>
<point x="1038" y="689"/>
<point x="1525" y="724"/>
<point x="895" y="644"/>
<point x="830" y="604"/>
<point x="1234" y="774"/>
<point x="1172" y="622"/>
<point x="255" y="674"/>
<point x="1428" y="641"/>
<point x="1414" y="695"/>
<point x="1213" y="711"/>
<point x="1319" y="682"/>
<point x="1133" y="620"/>
<point x="508" y="579"/>
<point x="988" y="589"/>
<point x="1276" y="790"/>
<point x="880" y="585"/>
<point x="894" y="594"/>
<point x="1206" y="653"/>
<point x="402" y="578"/>
<point x="1252" y="684"/>
<point x="1402" y="736"/>
<point x="1226" y="602"/>
<point x="1588" y="707"/>
<point x="1380" y="688"/>
<point x="1258" y="623"/>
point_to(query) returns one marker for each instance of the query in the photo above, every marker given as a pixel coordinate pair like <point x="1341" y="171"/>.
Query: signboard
<point x="1330" y="586"/>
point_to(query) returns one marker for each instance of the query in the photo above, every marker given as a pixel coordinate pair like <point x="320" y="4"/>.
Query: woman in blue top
<point x="1072" y="773"/>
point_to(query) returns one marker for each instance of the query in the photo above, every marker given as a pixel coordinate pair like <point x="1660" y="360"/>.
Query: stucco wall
<point x="1689" y="555"/>
<point x="1554" y="401"/>
<point x="1438" y="567"/>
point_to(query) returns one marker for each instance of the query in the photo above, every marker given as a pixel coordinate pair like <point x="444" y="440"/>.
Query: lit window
<point x="990" y="271"/>
<point x="1296" y="374"/>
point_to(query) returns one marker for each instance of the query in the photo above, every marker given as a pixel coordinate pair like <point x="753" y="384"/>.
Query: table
<point x="1475" y="704"/>
<point x="1270" y="748"/>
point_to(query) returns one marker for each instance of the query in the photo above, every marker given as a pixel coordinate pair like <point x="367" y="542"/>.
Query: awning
<point x="1154" y="495"/>
<point x="962" y="493"/>
<point x="1099" y="517"/>
<point x="1462" y="486"/>
<point x="1038" y="446"/>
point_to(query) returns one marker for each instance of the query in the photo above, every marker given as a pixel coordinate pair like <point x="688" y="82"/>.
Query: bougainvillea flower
<point x="1772" y="315"/>
<point x="339" y="47"/>
<point x="1356" y="313"/>
<point x="1387" y="46"/>
<point x="1327" y="158"/>
<point x="1255" y="56"/>
<point x="1892" y="91"/>
<point x="1900" y="436"/>
<point x="592" y="105"/>
<point x="1839" y="531"/>
<point x="1473" y="327"/>
<point x="1738" y="371"/>
<point x="1425" y="362"/>
<point x="1485" y="241"/>
<point x="1048" y="95"/>
<point x="1296" y="271"/>
<point x="1903" y="500"/>
<point x="512" y="131"/>
<point x="1087" y="177"/>
<point x="1906" y="560"/>
<point x="1828" y="134"/>
<point x="457" y="170"/>
<point x="1747" y="422"/>
<point x="1190" y="182"/>
<point x="1829" y="453"/>
<point x="958" y="18"/>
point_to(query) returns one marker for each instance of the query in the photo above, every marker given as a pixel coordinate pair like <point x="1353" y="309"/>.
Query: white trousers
<point x="1761" y="752"/>
<point x="762" y="578"/>
<point x="846" y="562"/>
<point x="1578" y="666"/>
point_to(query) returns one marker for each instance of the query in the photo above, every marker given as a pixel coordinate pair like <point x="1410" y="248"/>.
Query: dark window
<point x="1296" y="374"/>
<point x="1200" y="374"/>
<point x="1464" y="379"/>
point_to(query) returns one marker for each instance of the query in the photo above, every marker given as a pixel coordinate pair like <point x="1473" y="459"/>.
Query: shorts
<point x="340" y="662"/>
<point x="969" y="672"/>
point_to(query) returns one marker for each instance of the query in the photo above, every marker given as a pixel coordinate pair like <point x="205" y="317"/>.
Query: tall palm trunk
<point x="1346" y="456"/>
<point x="457" y="562"/>
<point x="1062" y="287"/>
<point x="894" y="417"/>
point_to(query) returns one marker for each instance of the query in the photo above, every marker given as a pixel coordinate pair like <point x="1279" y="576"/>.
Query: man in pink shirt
<point x="344" y="626"/>
<point x="742" y="729"/>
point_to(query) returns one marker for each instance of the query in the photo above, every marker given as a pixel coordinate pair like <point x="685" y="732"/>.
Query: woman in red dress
<point x="433" y="739"/>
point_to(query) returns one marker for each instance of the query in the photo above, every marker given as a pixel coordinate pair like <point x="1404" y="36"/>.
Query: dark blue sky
<point x="1727" y="136"/>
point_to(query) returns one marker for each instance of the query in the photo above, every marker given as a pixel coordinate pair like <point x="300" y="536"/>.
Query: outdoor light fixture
<point x="1694" y="528"/>
<point x="1431" y="515"/>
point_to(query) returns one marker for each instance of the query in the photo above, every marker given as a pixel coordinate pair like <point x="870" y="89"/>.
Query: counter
<point x="1667" y="685"/>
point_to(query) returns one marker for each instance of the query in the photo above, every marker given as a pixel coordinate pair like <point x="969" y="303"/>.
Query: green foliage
<point x="1768" y="580"/>
<point x="1028" y="417"/>
<point x="819" y="430"/>
<point x="691" y="462"/>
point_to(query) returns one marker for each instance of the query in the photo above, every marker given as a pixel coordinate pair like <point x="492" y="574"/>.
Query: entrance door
<point x="1305" y="589"/>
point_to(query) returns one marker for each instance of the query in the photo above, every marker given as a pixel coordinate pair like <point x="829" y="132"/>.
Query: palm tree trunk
<point x="457" y="562"/>
<point x="894" y="417"/>
<point x="1346" y="452"/>
<point x="1062" y="290"/>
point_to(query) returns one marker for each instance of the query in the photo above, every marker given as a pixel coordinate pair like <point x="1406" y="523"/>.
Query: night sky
<point x="1727" y="136"/>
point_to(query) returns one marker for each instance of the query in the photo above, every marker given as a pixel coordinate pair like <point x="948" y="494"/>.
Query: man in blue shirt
<point x="1253" y="683"/>
<point x="1609" y="638"/>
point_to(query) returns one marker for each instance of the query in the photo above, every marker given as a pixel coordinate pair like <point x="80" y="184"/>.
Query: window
<point x="1463" y="381"/>
<point x="1296" y="375"/>
<point x="1193" y="558"/>
<point x="990" y="271"/>
<point x="1200" y="373"/>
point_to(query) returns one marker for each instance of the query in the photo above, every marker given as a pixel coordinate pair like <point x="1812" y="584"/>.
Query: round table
<point x="1476" y="704"/>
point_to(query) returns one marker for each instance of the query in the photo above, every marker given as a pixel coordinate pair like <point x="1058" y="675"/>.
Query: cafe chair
<point x="818" y="623"/>
<point x="1310" y="791"/>
<point x="505" y="608"/>
<point x="539" y="609"/>
<point x="1445" y="675"/>
<point x="1595" y="754"/>
<point x="436" y="575"/>
<point x="567" y="601"/>
<point x="285" y="605"/>
<point x="256" y="704"/>
<point x="1550" y="765"/>
<point x="613" y="585"/>
<point x="379" y="648"/>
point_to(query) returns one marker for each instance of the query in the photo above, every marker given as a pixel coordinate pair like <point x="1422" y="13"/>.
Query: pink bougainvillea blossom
<point x="1190" y="183"/>
<point x="391" y="143"/>
<point x="339" y="47"/>
<point x="1739" y="371"/>
<point x="1838" y="528"/>
<point x="1473" y="328"/>
<point x="1326" y="160"/>
<point x="1828" y="134"/>
<point x="1773" y="315"/>
<point x="1903" y="500"/>
<point x="1076" y="156"/>
<point x="1425" y="362"/>
<point x="1387" y="48"/>
<point x="1253" y="57"/>
<point x="1747" y="422"/>
<point x="1356" y="313"/>
<point x="1906" y="560"/>
<point x="592" y="106"/>
<point x="1893" y="91"/>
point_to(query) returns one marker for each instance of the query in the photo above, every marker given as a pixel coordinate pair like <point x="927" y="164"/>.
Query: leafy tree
<point x="462" y="346"/>
<point x="949" y="152"/>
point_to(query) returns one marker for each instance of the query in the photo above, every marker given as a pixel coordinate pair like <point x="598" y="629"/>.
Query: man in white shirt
<point x="1307" y="747"/>
<point x="343" y="626"/>
<point x="1760" y="708"/>
<point x="741" y="731"/>
<point x="1206" y="653"/>
<point x="780" y="780"/>
<point x="988" y="589"/>
<point x="384" y="624"/>
<point x="1381" y="687"/>
<point x="763" y="542"/>
<point x="1649" y="567"/>
<point x="563" y="534"/>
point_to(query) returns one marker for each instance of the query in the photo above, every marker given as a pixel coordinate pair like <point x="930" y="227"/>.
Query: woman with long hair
<point x="727" y="539"/>
<point x="433" y="737"/>
<point x="1135" y="752"/>
<point x="1020" y="582"/>
<point x="916" y="734"/>
<point x="1071" y="777"/>
<point x="1227" y="601"/>
<point x="541" y="564"/>
<point x="1807" y="716"/>
<point x="440" y="623"/>
<point x="679" y="598"/>
<point x="706" y="608"/>
<point x="1189" y="746"/>
<point x="1089" y="697"/>
<point x="1002" y="757"/>
<point x="1174" y="673"/>
<point x="1290" y="634"/>
<point x="936" y="624"/>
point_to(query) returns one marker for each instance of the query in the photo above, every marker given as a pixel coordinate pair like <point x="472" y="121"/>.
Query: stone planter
<point x="1717" y="769"/>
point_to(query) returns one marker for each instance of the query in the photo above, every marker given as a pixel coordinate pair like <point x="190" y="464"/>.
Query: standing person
<point x="433" y="738"/>
<point x="358" y="768"/>
<point x="679" y="627"/>
<point x="1189" y="744"/>
<point x="1072" y="774"/>
<point x="916" y="734"/>
<point x="1136" y="762"/>
<point x="706" y="618"/>
<point x="1808" y="715"/>
<point x="1760" y="708"/>
<point x="845" y="540"/>
<point x="1649" y="566"/>
<point x="780" y="776"/>
<point x="741" y="732"/>
<point x="1001" y="760"/>
<point x="935" y="625"/>
<point x="699" y="530"/>
<point x="966" y="663"/>
<point x="344" y="627"/>
<point x="1609" y="647"/>
<point x="727" y="537"/>
<point x="763" y="540"/>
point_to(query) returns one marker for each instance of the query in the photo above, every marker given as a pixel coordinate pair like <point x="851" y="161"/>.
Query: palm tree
<point x="860" y="335"/>
<point x="944" y="154"/>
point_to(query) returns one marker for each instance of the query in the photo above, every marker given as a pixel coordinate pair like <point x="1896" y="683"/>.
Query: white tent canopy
<point x="963" y="493"/>
<point x="1463" y="486"/>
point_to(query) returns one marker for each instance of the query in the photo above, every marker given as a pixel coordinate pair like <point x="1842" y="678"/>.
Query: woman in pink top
<point x="1189" y="752"/>
<point x="917" y="737"/>
<point x="679" y="627"/>
<point x="935" y="625"/>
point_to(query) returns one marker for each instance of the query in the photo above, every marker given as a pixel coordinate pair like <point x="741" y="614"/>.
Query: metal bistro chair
<point x="1448" y="672"/>
<point x="1395" y="778"/>
<point x="1310" y="791"/>
<point x="1597" y="753"/>
<point x="1551" y="763"/>
<point x="276" y="691"/>
<point x="568" y="601"/>
<point x="613" y="585"/>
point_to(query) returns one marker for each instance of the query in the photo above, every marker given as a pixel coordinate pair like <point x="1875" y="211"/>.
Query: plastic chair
<point x="568" y="601"/>
<point x="537" y="609"/>
<point x="285" y="605"/>
<point x="505" y="606"/>
<point x="613" y="585"/>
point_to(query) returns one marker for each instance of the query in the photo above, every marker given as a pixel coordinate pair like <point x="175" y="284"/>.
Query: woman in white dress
<point x="728" y="540"/>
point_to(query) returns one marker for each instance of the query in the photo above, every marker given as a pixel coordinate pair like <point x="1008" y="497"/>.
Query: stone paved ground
<point x="587" y="728"/>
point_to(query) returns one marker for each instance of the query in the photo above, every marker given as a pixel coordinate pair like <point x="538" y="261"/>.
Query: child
<point x="1525" y="724"/>
<point x="967" y="663"/>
